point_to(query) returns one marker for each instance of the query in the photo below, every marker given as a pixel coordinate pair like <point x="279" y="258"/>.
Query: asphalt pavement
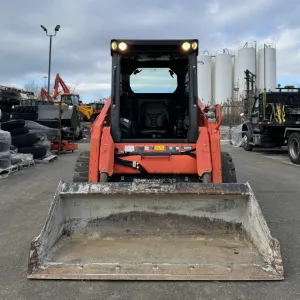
<point x="25" y="198"/>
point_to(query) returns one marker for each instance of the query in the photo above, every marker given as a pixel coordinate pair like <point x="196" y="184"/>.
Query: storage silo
<point x="223" y="76"/>
<point x="246" y="60"/>
<point x="213" y="74"/>
<point x="267" y="67"/>
<point x="257" y="72"/>
<point x="235" y="69"/>
<point x="204" y="77"/>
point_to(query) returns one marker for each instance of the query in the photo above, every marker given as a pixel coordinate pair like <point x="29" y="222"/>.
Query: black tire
<point x="24" y="140"/>
<point x="5" y="117"/>
<point x="13" y="124"/>
<point x="37" y="151"/>
<point x="19" y="131"/>
<point x="9" y="94"/>
<point x="294" y="148"/>
<point x="81" y="170"/>
<point x="12" y="101"/>
<point x="25" y="116"/>
<point x="26" y="109"/>
<point x="228" y="168"/>
<point x="247" y="146"/>
<point x="6" y="109"/>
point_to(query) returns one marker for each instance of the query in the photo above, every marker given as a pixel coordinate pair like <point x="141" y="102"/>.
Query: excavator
<point x="155" y="197"/>
<point x="45" y="95"/>
<point x="69" y="99"/>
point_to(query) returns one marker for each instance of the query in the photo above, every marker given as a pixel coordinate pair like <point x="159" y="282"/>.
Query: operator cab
<point x="154" y="91"/>
<point x="70" y="99"/>
<point x="96" y="105"/>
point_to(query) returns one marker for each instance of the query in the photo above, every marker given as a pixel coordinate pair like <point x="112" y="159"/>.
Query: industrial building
<point x="221" y="75"/>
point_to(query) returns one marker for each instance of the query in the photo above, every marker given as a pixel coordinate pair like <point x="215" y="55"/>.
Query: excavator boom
<point x="59" y="82"/>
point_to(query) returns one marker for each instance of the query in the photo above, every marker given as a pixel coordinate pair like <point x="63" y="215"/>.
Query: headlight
<point x="114" y="46"/>
<point x="194" y="45"/>
<point x="122" y="46"/>
<point x="186" y="46"/>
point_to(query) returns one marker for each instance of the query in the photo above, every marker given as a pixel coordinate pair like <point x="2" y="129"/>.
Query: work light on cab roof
<point x="186" y="46"/>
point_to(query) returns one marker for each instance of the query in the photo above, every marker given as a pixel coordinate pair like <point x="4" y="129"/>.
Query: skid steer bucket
<point x="155" y="231"/>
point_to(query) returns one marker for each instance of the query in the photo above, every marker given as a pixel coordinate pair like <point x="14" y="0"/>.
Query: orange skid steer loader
<point x="155" y="198"/>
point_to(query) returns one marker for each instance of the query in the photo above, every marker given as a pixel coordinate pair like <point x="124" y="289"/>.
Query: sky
<point x="81" y="48"/>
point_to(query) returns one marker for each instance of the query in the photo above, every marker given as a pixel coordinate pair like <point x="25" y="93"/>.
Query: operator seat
<point x="153" y="120"/>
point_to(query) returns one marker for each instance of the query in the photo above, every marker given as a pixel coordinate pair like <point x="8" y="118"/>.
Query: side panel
<point x="106" y="163"/>
<point x="96" y="133"/>
<point x="203" y="152"/>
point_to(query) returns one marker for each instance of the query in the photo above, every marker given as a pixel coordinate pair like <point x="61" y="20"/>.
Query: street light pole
<point x="49" y="66"/>
<point x="56" y="29"/>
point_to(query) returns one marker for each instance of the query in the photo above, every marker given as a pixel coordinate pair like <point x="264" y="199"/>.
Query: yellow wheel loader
<point x="85" y="111"/>
<point x="155" y="198"/>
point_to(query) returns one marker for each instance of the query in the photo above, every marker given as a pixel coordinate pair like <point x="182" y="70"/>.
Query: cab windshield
<point x="153" y="80"/>
<point x="70" y="99"/>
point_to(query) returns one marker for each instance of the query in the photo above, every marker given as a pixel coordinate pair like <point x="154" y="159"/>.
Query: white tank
<point x="204" y="77"/>
<point x="223" y="76"/>
<point x="257" y="72"/>
<point x="213" y="74"/>
<point x="267" y="67"/>
<point x="246" y="60"/>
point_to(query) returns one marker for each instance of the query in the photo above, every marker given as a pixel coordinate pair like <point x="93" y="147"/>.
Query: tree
<point x="35" y="88"/>
<point x="231" y="111"/>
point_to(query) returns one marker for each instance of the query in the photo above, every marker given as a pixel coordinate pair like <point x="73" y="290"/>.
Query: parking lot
<point x="26" y="197"/>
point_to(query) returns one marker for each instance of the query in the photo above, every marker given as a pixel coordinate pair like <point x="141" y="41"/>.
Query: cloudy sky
<point x="81" y="49"/>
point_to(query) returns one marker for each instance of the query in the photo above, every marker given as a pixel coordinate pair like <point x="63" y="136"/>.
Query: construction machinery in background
<point x="44" y="95"/>
<point x="272" y="119"/>
<point x="155" y="198"/>
<point x="69" y="99"/>
<point x="97" y="108"/>
<point x="45" y="99"/>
